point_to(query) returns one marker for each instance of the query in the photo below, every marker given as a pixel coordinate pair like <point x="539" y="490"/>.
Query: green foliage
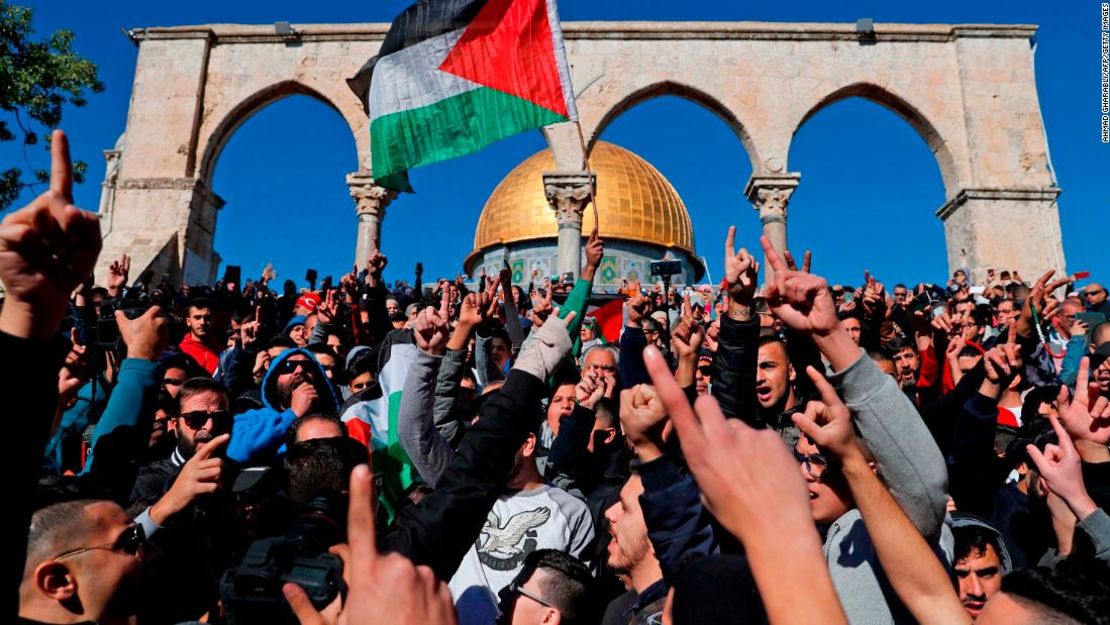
<point x="37" y="79"/>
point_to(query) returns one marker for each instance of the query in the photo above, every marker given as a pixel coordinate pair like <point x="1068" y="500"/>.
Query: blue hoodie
<point x="257" y="434"/>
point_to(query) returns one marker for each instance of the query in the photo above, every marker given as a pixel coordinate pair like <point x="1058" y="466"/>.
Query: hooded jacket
<point x="913" y="469"/>
<point x="257" y="434"/>
<point x="968" y="520"/>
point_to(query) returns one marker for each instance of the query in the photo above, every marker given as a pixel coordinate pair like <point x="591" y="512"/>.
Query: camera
<point x="105" y="330"/>
<point x="665" y="268"/>
<point x="251" y="591"/>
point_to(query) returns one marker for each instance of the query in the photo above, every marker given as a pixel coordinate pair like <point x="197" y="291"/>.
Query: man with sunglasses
<point x="553" y="588"/>
<point x="84" y="561"/>
<point x="294" y="386"/>
<point x="1096" y="298"/>
<point x="202" y="415"/>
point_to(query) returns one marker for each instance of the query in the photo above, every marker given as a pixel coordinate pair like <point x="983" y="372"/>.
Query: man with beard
<point x="201" y="342"/>
<point x="83" y="559"/>
<point x="632" y="559"/>
<point x="907" y="366"/>
<point x="294" y="386"/>
<point x="201" y="415"/>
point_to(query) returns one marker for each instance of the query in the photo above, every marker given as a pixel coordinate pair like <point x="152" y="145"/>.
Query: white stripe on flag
<point x="410" y="79"/>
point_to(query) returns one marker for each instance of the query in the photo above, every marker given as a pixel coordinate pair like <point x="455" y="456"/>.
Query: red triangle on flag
<point x="610" y="319"/>
<point x="508" y="47"/>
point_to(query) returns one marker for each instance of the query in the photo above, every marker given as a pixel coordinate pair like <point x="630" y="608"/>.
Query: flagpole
<point x="589" y="173"/>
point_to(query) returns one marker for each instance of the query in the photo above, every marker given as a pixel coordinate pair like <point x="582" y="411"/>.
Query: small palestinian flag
<point x="453" y="76"/>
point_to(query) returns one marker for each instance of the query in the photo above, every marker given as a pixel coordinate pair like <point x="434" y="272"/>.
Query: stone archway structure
<point x="969" y="91"/>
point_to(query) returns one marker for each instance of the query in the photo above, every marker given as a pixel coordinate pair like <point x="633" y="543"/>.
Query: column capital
<point x="770" y="194"/>
<point x="370" y="198"/>
<point x="568" y="193"/>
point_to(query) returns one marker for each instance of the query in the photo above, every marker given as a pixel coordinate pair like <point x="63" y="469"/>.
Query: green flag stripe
<point x="452" y="127"/>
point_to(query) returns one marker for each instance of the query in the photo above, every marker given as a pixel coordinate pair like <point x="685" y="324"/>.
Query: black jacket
<point x="439" y="530"/>
<point x="153" y="481"/>
<point x="734" y="369"/>
<point x="29" y="385"/>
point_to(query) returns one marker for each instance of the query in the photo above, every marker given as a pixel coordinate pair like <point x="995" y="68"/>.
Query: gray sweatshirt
<point x="913" y="469"/>
<point x="429" y="451"/>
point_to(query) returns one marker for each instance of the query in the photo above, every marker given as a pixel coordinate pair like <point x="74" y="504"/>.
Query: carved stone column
<point x="770" y="195"/>
<point x="568" y="193"/>
<point x="370" y="203"/>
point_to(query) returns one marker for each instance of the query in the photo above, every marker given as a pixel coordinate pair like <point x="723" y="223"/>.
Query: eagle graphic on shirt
<point x="504" y="547"/>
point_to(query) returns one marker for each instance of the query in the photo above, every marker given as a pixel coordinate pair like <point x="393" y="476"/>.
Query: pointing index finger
<point x="361" y="535"/>
<point x="826" y="390"/>
<point x="730" y="242"/>
<point x="206" y="450"/>
<point x="773" y="257"/>
<point x="61" y="168"/>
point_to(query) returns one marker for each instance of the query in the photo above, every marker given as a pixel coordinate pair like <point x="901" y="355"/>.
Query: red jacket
<point x="204" y="355"/>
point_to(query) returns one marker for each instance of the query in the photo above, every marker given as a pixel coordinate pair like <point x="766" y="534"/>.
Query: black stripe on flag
<point x="421" y="21"/>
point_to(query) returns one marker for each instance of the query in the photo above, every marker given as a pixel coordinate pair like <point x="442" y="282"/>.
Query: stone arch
<point x="238" y="114"/>
<point x="902" y="107"/>
<point x="677" y="88"/>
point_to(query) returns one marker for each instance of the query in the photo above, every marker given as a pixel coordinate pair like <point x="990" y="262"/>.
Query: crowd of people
<point x="785" y="452"/>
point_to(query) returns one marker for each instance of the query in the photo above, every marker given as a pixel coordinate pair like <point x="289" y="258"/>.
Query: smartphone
<point x="233" y="274"/>
<point x="310" y="278"/>
<point x="849" y="296"/>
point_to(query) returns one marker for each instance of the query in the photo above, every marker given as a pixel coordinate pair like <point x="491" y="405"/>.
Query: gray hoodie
<point x="913" y="469"/>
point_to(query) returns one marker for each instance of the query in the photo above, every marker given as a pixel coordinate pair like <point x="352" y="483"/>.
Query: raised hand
<point x="1001" y="364"/>
<point x="589" y="391"/>
<point x="47" y="249"/>
<point x="801" y="300"/>
<point x="1086" y="416"/>
<point x="687" y="337"/>
<point x="413" y="594"/>
<point x="644" y="421"/>
<point x="1041" y="288"/>
<point x="1061" y="470"/>
<point x="268" y="273"/>
<point x="200" y="476"/>
<point x="741" y="275"/>
<point x="874" y="297"/>
<point x="638" y="306"/>
<point x="431" y="327"/>
<point x="742" y="473"/>
<point x="248" y="330"/>
<point x="551" y="344"/>
<point x="542" y="306"/>
<point x="807" y="259"/>
<point x="145" y="336"/>
<point x="375" y="265"/>
<point x="595" y="251"/>
<point x="327" y="311"/>
<point x="118" y="272"/>
<point x="828" y="423"/>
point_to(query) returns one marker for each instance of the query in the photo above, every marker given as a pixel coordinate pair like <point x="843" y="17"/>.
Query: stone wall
<point x="969" y="90"/>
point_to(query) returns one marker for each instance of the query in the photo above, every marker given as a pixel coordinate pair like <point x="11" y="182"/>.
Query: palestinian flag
<point x="453" y="76"/>
<point x="374" y="423"/>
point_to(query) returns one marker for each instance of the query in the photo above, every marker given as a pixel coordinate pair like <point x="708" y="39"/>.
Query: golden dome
<point x="635" y="203"/>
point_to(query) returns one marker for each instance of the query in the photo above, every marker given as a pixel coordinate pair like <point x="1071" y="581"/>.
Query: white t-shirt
<point x="519" y="523"/>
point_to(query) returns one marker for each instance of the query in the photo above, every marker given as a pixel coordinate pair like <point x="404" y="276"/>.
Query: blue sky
<point x="282" y="173"/>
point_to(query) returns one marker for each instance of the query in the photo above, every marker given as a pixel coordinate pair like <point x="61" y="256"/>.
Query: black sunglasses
<point x="131" y="541"/>
<point x="198" y="418"/>
<point x="289" y="366"/>
<point x="516" y="589"/>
